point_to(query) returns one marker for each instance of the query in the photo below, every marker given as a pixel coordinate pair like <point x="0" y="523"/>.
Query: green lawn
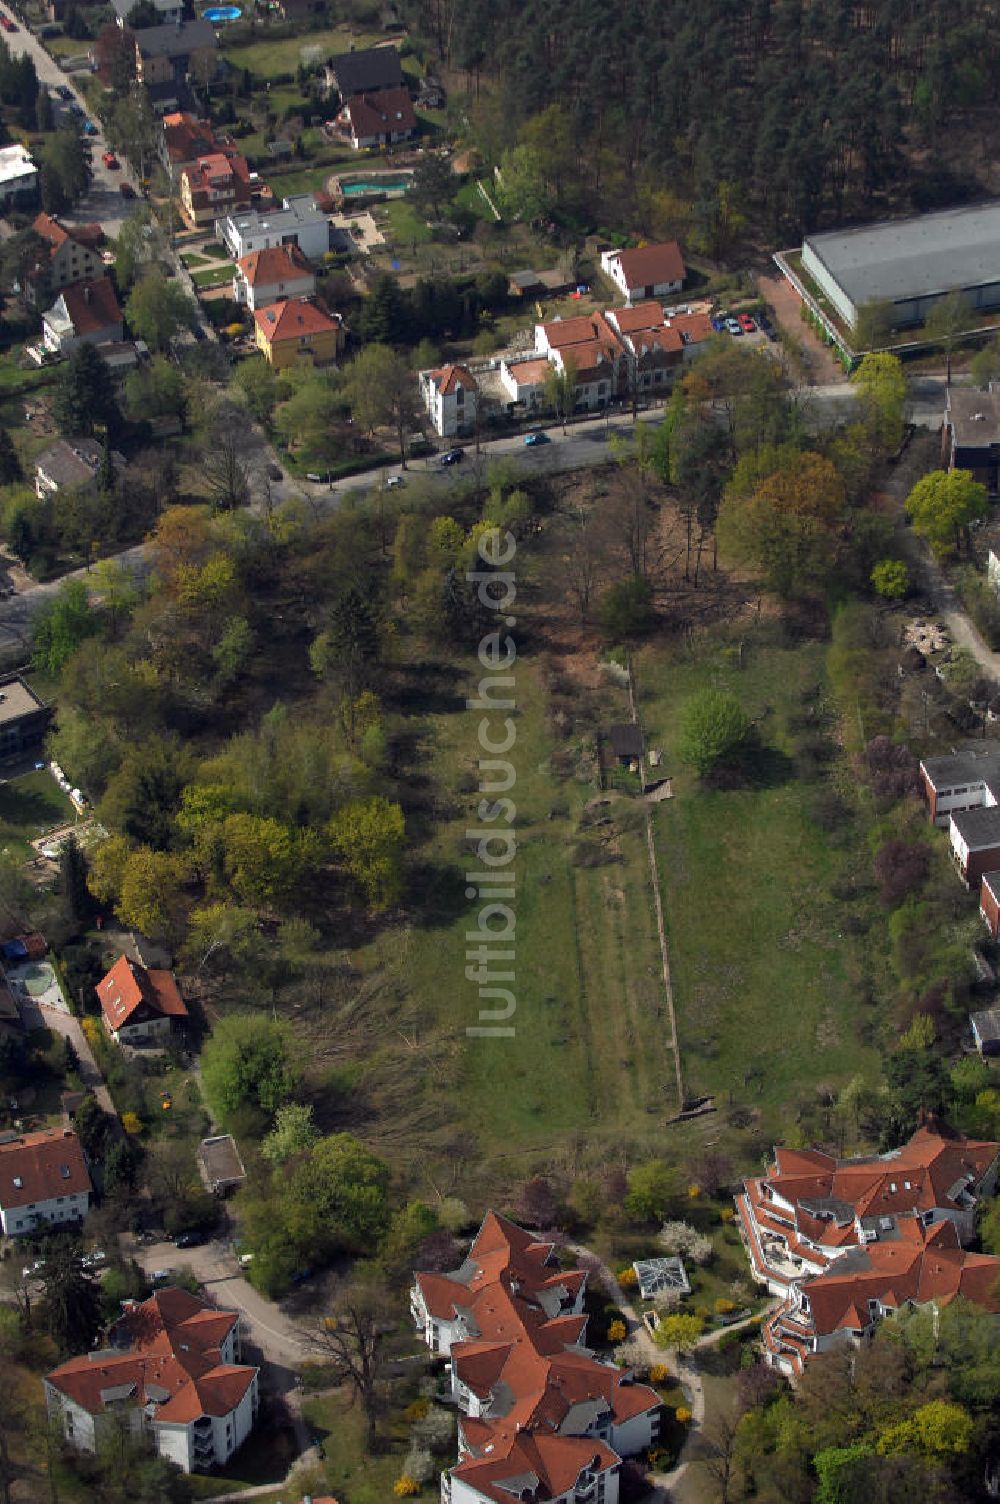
<point x="349" y="1473"/>
<point x="766" y="979"/>
<point x="214" y="276"/>
<point x="29" y="806"/>
<point x="407" y="227"/>
<point x="271" y="56"/>
<point x="305" y="180"/>
<point x="471" y="199"/>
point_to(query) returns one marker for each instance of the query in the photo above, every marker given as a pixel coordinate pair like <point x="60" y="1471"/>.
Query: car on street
<point x="7" y="23"/>
<point x="747" y="324"/>
<point x="89" y="128"/>
<point x="393" y="482"/>
<point x="65" y="92"/>
<point x="192" y="1239"/>
<point x="110" y="160"/>
<point x="76" y="108"/>
<point x="158" y="1276"/>
<point x="126" y="190"/>
<point x="536" y="437"/>
<point x="452" y="457"/>
<point x="273" y="471"/>
<point x="734" y="327"/>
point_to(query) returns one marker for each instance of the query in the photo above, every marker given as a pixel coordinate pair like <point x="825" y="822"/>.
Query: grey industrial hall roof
<point x="974" y="417"/>
<point x="16" y="699"/>
<point x="910" y="258"/>
<point x="979" y="828"/>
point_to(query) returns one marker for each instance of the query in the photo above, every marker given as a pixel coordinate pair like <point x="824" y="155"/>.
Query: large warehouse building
<point x="910" y="262"/>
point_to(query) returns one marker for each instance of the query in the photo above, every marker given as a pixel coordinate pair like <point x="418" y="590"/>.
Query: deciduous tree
<point x="944" y="505"/>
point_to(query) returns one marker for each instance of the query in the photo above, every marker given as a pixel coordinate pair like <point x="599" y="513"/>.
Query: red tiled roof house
<point x="72" y="254"/>
<point x="534" y="1402"/>
<point x="83" y="313"/>
<point x="298" y="332"/>
<point x="44" y="1181"/>
<point x="650" y="271"/>
<point x="216" y="184"/>
<point x="839" y="1239"/>
<point x="172" y="1374"/>
<point x="139" y="1006"/>
<point x="450" y="394"/>
<point x="268" y="276"/>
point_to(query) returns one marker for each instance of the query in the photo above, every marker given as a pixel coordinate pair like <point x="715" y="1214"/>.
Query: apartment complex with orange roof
<point x="845" y="1242"/>
<point x="172" y="1374"/>
<point x="534" y="1402"/>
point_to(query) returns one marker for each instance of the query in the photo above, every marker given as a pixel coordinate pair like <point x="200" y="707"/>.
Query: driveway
<point x="37" y="1016"/>
<point x="785" y="301"/>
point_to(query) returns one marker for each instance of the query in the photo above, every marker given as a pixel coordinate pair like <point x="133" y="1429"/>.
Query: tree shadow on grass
<point x="436" y="894"/>
<point x="757" y="767"/>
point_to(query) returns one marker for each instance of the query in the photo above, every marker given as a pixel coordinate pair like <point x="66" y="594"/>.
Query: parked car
<point x="273" y="471"/>
<point x="536" y="437"/>
<point x="95" y="1259"/>
<point x="65" y="92"/>
<point x="89" y="128"/>
<point x="767" y="326"/>
<point x="192" y="1239"/>
<point x="7" y="23"/>
<point x="747" y="324"/>
<point x="393" y="482"/>
<point x="126" y="190"/>
<point x="110" y="160"/>
<point x="452" y="457"/>
<point x="158" y="1276"/>
<point x="734" y="327"/>
<point x="718" y="323"/>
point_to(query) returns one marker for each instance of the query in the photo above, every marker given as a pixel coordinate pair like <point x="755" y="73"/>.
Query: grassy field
<point x="353" y="1476"/>
<point x="405" y="224"/>
<point x="29" y="806"/>
<point x="213" y="276"/>
<point x="766" y="980"/>
<point x="271" y="56"/>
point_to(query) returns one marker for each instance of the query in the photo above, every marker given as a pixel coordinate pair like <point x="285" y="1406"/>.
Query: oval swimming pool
<point x="218" y="13"/>
<point x="379" y="185"/>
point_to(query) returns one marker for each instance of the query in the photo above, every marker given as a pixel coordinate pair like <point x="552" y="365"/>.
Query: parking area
<point x="824" y="368"/>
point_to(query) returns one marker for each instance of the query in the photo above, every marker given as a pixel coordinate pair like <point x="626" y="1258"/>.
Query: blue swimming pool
<point x="219" y="13"/>
<point x="377" y="185"/>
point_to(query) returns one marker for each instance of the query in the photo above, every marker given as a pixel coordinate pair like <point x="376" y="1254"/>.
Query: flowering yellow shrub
<point x="694" y="1191"/>
<point x="727" y="1214"/>
<point x="417" y="1410"/>
<point x="659" y="1373"/>
<point x="91" y="1031"/>
<point x="724" y="1307"/>
<point x="683" y="1414"/>
<point x="627" y="1278"/>
<point x="131" y="1122"/>
<point x="405" y="1487"/>
<point x="617" y="1331"/>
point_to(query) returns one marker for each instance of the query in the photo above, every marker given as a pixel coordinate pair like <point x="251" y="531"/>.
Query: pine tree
<point x="73" y="880"/>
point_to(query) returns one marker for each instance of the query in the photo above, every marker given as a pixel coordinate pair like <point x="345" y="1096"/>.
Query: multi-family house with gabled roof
<point x="171" y="1375"/>
<point x="534" y="1402"/>
<point x="844" y="1242"/>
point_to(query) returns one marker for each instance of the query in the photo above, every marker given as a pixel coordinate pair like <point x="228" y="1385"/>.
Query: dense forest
<point x="773" y="112"/>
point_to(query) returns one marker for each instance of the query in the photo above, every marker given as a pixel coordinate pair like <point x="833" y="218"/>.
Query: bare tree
<point x="717" y="1453"/>
<point x="353" y="1339"/>
<point x="628" y="523"/>
<point x="226" y="465"/>
<point x="583" y="562"/>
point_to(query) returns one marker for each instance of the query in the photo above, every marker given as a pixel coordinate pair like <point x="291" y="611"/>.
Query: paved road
<point x="104" y="202"/>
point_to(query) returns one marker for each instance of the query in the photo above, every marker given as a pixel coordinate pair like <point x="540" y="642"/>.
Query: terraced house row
<point x="540" y="1417"/>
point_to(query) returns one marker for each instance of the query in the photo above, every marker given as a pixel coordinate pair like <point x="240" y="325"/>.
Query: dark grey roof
<point x="124" y="8"/>
<point x="909" y="258"/>
<point x="974" y="417"/>
<point x="70" y="464"/>
<point x="626" y="740"/>
<point x="986" y="1024"/>
<point x="979" y="828"/>
<point x="174" y="41"/>
<point x="977" y="763"/>
<point x="992" y="881"/>
<point x="841" y="1212"/>
<point x="371" y="68"/>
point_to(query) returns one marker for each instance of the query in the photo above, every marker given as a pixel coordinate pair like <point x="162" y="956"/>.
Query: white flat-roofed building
<point x="910" y="263"/>
<point x="18" y="175"/>
<point x="297" y="222"/>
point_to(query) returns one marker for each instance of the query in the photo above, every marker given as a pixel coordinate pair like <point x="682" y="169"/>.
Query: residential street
<point x="104" y="202"/>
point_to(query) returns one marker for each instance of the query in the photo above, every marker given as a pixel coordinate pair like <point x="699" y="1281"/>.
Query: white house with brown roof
<point x="172" y="1375"/>
<point x="533" y="1400"/>
<point x="139" y="1006"/>
<point x="44" y="1181"/>
<point x="268" y="276"/>
<point x="649" y="271"/>
<point x="84" y="313"/>
<point x="450" y="394"/>
<point x="378" y="118"/>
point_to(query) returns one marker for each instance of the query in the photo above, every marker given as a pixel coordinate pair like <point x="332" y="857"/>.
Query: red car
<point x="7" y="23"/>
<point x="109" y="159"/>
<point x="747" y="324"/>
